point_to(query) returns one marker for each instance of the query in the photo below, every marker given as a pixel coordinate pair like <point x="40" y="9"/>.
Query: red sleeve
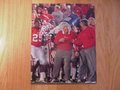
<point x="50" y="16"/>
<point x="74" y="35"/>
<point x="92" y="32"/>
<point x="57" y="38"/>
<point x="78" y="41"/>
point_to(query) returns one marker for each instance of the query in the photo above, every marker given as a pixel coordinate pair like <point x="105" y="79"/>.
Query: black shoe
<point x="47" y="79"/>
<point x="73" y="80"/>
<point x="61" y="80"/>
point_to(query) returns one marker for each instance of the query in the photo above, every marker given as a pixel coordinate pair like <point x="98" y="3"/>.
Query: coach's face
<point x="66" y="30"/>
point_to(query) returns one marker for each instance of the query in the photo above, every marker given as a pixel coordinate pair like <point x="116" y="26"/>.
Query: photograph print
<point x="63" y="43"/>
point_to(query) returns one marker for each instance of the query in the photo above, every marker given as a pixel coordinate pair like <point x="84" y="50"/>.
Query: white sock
<point x="60" y="75"/>
<point x="42" y="76"/>
<point x="73" y="73"/>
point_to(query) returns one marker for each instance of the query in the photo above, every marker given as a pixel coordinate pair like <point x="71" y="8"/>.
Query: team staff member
<point x="86" y="39"/>
<point x="63" y="40"/>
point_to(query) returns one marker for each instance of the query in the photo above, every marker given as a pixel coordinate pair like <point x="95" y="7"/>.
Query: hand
<point x="76" y="54"/>
<point x="62" y="40"/>
<point x="82" y="46"/>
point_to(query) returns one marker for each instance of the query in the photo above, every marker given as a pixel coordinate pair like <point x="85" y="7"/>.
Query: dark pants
<point x="90" y="55"/>
<point x="60" y="55"/>
<point x="83" y="67"/>
<point x="34" y="77"/>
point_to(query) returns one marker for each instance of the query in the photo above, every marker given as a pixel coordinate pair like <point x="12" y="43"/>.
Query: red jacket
<point x="86" y="38"/>
<point x="67" y="45"/>
<point x="36" y="38"/>
<point x="46" y="17"/>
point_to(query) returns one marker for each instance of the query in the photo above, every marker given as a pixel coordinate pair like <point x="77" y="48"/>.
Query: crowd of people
<point x="63" y="43"/>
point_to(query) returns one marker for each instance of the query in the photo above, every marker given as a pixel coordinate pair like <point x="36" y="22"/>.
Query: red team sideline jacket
<point x="86" y="38"/>
<point x="36" y="38"/>
<point x="46" y="17"/>
<point x="67" y="45"/>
